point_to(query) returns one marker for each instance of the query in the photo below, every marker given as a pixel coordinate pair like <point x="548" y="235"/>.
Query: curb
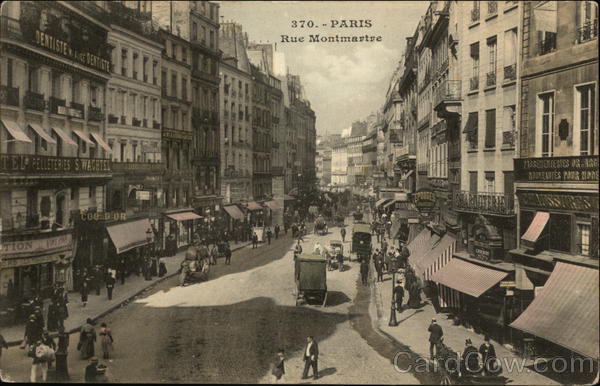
<point x="118" y="305"/>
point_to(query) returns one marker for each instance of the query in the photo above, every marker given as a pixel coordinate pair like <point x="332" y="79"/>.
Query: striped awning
<point x="419" y="246"/>
<point x="253" y="205"/>
<point x="42" y="133"/>
<point x="100" y="141"/>
<point x="130" y="235"/>
<point x="273" y="205"/>
<point x="437" y="257"/>
<point x="15" y="130"/>
<point x="566" y="310"/>
<point x="184" y="216"/>
<point x="535" y="229"/>
<point x="65" y="138"/>
<point x="234" y="212"/>
<point x="84" y="137"/>
<point x="468" y="278"/>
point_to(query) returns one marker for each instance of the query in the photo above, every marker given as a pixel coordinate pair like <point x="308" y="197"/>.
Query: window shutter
<point x="594" y="238"/>
<point x="490" y="128"/>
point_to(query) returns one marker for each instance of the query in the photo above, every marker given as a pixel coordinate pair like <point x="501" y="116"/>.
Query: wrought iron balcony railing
<point x="34" y="101"/>
<point x="474" y="15"/>
<point x="55" y="103"/>
<point x="588" y="31"/>
<point x="449" y="90"/>
<point x="95" y="114"/>
<point x="474" y="83"/>
<point x="9" y="95"/>
<point x="492" y="8"/>
<point x="510" y="72"/>
<point x="490" y="79"/>
<point x="113" y="118"/>
<point x="486" y="203"/>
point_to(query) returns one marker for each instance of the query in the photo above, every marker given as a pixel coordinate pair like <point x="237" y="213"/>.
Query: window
<point x="588" y="21"/>
<point x="184" y="121"/>
<point x="471" y="130"/>
<point x="144" y="69"/>
<point x="584" y="118"/>
<point x="490" y="129"/>
<point x="134" y="148"/>
<point x="545" y="19"/>
<point x="154" y="74"/>
<point x="474" y="81"/>
<point x="163" y="80"/>
<point x="490" y="182"/>
<point x="174" y="84"/>
<point x="545" y="123"/>
<point x="124" y="62"/>
<point x="184" y="88"/>
<point x="122" y="153"/>
<point x="9" y="72"/>
<point x="510" y="47"/>
<point x="509" y="123"/>
<point x="492" y="53"/>
<point x="32" y="78"/>
<point x="475" y="11"/>
<point x="212" y="39"/>
<point x="473" y="182"/>
<point x="204" y="36"/>
<point x="559" y="232"/>
<point x="94" y="95"/>
<point x="56" y="88"/>
<point x="40" y="144"/>
<point x="174" y="51"/>
<point x="194" y="31"/>
<point x="583" y="235"/>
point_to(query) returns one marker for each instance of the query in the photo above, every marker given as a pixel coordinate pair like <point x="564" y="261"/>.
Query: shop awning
<point x="84" y="138"/>
<point x="65" y="138"/>
<point x="14" y="129"/>
<point x="566" y="310"/>
<point x="471" y="124"/>
<point x="253" y="205"/>
<point x="234" y="212"/>
<point x="440" y="254"/>
<point x="535" y="229"/>
<point x="419" y="246"/>
<point x="388" y="204"/>
<point x="287" y="197"/>
<point x="184" y="216"/>
<point x="42" y="133"/>
<point x="273" y="205"/>
<point x="130" y="235"/>
<point x="101" y="142"/>
<point x="468" y="278"/>
<point x="382" y="201"/>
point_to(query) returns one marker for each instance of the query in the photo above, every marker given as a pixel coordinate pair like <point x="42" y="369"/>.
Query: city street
<point x="229" y="328"/>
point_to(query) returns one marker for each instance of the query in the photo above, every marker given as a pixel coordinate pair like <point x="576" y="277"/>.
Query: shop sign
<point x="143" y="195"/>
<point x="177" y="134"/>
<point x="25" y="163"/>
<point x="508" y="284"/>
<point x="413" y="221"/>
<point x="482" y="253"/>
<point x="563" y="201"/>
<point x="424" y="200"/>
<point x="23" y="262"/>
<point x="36" y="246"/>
<point x="104" y="216"/>
<point x="557" y="169"/>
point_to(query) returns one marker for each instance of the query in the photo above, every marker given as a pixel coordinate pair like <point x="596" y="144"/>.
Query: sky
<point x="345" y="81"/>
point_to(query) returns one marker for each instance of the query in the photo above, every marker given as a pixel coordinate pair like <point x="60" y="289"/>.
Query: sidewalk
<point x="98" y="306"/>
<point x="411" y="331"/>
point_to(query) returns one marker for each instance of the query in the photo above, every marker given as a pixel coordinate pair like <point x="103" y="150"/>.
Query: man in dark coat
<point x="435" y="335"/>
<point x="343" y="234"/>
<point x="470" y="359"/>
<point x="398" y="295"/>
<point x="269" y="235"/>
<point x="364" y="271"/>
<point x="277" y="229"/>
<point x="227" y="254"/>
<point x="254" y="240"/>
<point x="488" y="355"/>
<point x="378" y="267"/>
<point x="311" y="356"/>
<point x="110" y="285"/>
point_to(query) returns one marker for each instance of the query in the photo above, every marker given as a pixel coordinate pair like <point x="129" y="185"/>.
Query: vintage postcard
<point x="337" y="192"/>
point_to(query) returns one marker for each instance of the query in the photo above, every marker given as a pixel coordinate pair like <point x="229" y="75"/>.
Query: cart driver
<point x="340" y="259"/>
<point x="297" y="249"/>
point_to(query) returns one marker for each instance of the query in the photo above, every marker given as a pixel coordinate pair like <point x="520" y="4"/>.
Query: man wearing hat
<point x="435" y="335"/>
<point x="398" y="295"/>
<point x="470" y="359"/>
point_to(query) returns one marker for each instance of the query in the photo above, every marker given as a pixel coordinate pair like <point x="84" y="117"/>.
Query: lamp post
<point x="394" y="266"/>
<point x="149" y="235"/>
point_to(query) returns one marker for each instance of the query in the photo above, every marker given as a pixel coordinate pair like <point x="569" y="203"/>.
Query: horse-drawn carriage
<point x="335" y="255"/>
<point x="196" y="266"/>
<point x="311" y="279"/>
<point x="361" y="240"/>
<point x="321" y="227"/>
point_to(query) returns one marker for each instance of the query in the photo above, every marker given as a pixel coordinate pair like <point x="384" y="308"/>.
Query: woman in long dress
<point x="106" y="339"/>
<point x="87" y="339"/>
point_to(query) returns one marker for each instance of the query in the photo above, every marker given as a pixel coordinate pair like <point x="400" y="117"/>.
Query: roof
<point x="311" y="257"/>
<point x="365" y="228"/>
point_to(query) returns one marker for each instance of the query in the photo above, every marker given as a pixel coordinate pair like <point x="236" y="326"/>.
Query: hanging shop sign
<point x="63" y="33"/>
<point x="557" y="169"/>
<point x="563" y="201"/>
<point x="424" y="200"/>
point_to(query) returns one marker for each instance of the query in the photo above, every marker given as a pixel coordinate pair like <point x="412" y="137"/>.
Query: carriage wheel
<point x="325" y="300"/>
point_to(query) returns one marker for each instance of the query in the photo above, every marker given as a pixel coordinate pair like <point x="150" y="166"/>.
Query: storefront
<point x="256" y="213"/>
<point x="181" y="226"/>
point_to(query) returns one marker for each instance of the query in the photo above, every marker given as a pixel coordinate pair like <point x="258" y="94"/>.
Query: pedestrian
<point x="3" y="345"/>
<point x="398" y="295"/>
<point x="184" y="270"/>
<point x="285" y="228"/>
<point x="214" y="252"/>
<point x="343" y="234"/>
<point x="311" y="357"/>
<point x="364" y="271"/>
<point x="297" y="249"/>
<point x="110" y="285"/>
<point x="279" y="367"/>
<point x="488" y="356"/>
<point x="254" y="240"/>
<point x="39" y="317"/>
<point x="269" y="235"/>
<point x="48" y="341"/>
<point x="435" y="336"/>
<point x="53" y="316"/>
<point x="470" y="359"/>
<point x="106" y="340"/>
<point x="98" y="276"/>
<point x="277" y="229"/>
<point x="379" y="268"/>
<point x="227" y="254"/>
<point x="33" y="332"/>
<point x="91" y="371"/>
<point x="84" y="292"/>
<point x="87" y="339"/>
<point x="39" y="364"/>
<point x="162" y="267"/>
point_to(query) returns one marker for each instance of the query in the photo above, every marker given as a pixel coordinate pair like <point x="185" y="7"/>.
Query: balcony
<point x="510" y="73"/>
<point x="95" y="114"/>
<point x="113" y="118"/>
<point x="133" y="20"/>
<point x="9" y="95"/>
<point x="447" y="95"/>
<point x="492" y="8"/>
<point x="587" y="32"/>
<point x="474" y="83"/>
<point x="490" y="79"/>
<point x="508" y="139"/>
<point x="123" y="120"/>
<point x="77" y="110"/>
<point x="136" y="122"/>
<point x="55" y="104"/>
<point x="155" y="125"/>
<point x="500" y="204"/>
<point x="34" y="101"/>
<point x="138" y="167"/>
<point x="547" y="45"/>
<point x="475" y="15"/>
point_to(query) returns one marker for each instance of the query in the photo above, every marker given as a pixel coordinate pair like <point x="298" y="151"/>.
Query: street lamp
<point x="149" y="235"/>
